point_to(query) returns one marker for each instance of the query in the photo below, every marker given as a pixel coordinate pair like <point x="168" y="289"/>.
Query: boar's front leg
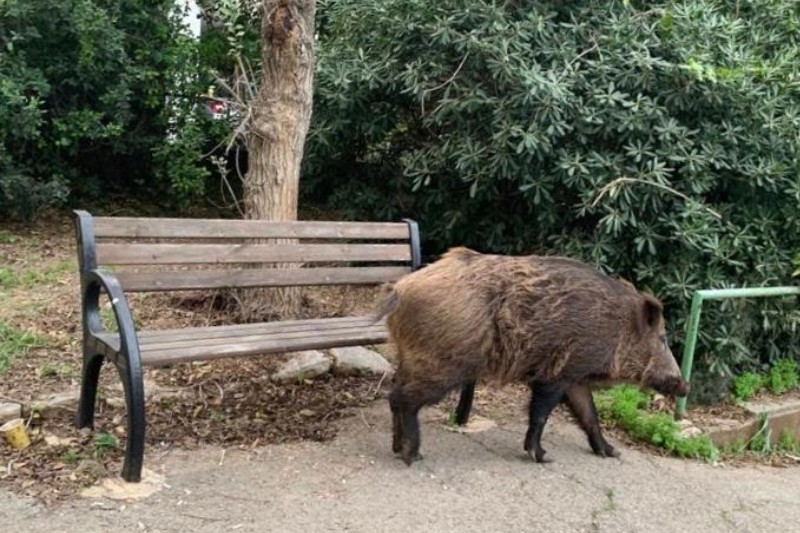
<point x="544" y="398"/>
<point x="579" y="400"/>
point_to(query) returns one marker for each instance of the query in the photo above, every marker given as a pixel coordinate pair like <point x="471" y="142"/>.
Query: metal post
<point x="688" y="348"/>
<point x="694" y="323"/>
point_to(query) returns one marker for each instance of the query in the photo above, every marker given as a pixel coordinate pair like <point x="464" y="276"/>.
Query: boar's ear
<point x="652" y="311"/>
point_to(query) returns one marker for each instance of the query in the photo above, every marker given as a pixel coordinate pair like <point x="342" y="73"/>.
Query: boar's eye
<point x="663" y="340"/>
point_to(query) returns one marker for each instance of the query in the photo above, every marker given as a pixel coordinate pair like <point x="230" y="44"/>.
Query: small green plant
<point x="58" y="370"/>
<point x="8" y="238"/>
<point x="782" y="376"/>
<point x="104" y="442"/>
<point x="761" y="441"/>
<point x="71" y="456"/>
<point x="747" y="385"/>
<point x="15" y="343"/>
<point x="626" y="406"/>
<point x="787" y="442"/>
<point x="8" y="278"/>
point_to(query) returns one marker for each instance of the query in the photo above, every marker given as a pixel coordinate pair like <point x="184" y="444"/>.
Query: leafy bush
<point x="626" y="405"/>
<point x="656" y="140"/>
<point x="782" y="376"/>
<point x="86" y="94"/>
<point x="747" y="385"/>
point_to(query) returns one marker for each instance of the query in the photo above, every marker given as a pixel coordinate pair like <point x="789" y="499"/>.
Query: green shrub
<point x="782" y="376"/>
<point x="626" y="406"/>
<point x="87" y="89"/>
<point x="656" y="140"/>
<point x="747" y="385"/>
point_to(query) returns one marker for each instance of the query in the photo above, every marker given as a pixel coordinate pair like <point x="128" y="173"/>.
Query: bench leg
<point x="91" y="373"/>
<point x="132" y="382"/>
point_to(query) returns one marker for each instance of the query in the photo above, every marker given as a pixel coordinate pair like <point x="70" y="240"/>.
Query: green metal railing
<point x="694" y="321"/>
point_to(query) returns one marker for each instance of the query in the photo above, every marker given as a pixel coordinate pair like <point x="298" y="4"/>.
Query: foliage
<point x="747" y="385"/>
<point x="627" y="406"/>
<point x="782" y="377"/>
<point x="86" y="88"/>
<point x="658" y="141"/>
<point x="15" y="343"/>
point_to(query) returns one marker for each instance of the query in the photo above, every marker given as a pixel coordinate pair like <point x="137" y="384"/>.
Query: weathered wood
<point x="173" y="254"/>
<point x="183" y="228"/>
<point x="217" y="332"/>
<point x="181" y="344"/>
<point x="263" y="346"/>
<point x="218" y="279"/>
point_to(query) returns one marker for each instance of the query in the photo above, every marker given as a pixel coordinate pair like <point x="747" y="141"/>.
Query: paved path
<point x="476" y="482"/>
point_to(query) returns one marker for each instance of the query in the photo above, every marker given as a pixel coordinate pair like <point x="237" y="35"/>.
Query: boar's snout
<point x="671" y="386"/>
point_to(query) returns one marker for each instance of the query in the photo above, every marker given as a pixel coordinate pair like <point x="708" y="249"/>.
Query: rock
<point x="688" y="429"/>
<point x="9" y="411"/>
<point x="151" y="390"/>
<point x="302" y="365"/>
<point x="56" y="403"/>
<point x="359" y="360"/>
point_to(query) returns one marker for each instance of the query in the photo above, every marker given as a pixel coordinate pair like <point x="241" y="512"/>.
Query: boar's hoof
<point x="607" y="451"/>
<point x="538" y="455"/>
<point x="409" y="457"/>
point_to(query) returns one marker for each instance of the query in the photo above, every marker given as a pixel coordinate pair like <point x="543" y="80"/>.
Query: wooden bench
<point x="163" y="254"/>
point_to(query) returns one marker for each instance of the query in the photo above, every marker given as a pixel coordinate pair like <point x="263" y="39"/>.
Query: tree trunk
<point x="279" y="122"/>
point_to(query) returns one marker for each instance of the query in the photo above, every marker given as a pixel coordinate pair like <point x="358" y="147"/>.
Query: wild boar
<point x="553" y="323"/>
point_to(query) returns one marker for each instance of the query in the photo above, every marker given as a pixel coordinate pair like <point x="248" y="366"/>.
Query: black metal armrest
<point x="92" y="283"/>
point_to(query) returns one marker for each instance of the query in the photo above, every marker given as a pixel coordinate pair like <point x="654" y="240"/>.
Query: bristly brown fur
<point x="521" y="319"/>
<point x="552" y="322"/>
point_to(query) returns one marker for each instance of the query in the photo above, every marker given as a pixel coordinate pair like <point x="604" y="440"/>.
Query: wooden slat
<point x="266" y="277"/>
<point x="202" y="334"/>
<point x="265" y="346"/>
<point x="164" y="254"/>
<point x="182" y="228"/>
<point x="182" y="344"/>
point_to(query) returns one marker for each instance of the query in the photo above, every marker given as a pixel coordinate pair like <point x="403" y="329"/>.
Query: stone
<point x="355" y="360"/>
<point x="56" y="403"/>
<point x="302" y="365"/>
<point x="688" y="429"/>
<point x="9" y="411"/>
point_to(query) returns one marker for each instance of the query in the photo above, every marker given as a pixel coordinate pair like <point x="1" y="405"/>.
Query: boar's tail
<point x="388" y="306"/>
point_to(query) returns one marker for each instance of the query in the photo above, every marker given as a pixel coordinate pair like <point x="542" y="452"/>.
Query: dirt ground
<point x="467" y="482"/>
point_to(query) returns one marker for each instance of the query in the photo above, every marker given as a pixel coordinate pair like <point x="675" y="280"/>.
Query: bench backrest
<point x="164" y="254"/>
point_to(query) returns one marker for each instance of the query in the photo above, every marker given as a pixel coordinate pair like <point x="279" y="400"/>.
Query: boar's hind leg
<point x="406" y="401"/>
<point x="579" y="400"/>
<point x="544" y="398"/>
<point x="465" y="403"/>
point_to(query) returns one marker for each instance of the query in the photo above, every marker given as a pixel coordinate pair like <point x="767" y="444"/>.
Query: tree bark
<point x="279" y="122"/>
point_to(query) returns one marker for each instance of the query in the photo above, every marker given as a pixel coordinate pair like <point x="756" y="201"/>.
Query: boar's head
<point x="657" y="366"/>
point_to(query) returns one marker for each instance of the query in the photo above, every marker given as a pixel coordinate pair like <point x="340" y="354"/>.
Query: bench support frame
<point x="127" y="358"/>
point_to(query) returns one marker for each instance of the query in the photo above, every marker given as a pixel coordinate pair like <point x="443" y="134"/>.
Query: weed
<point x="610" y="504"/>
<point x="782" y="376"/>
<point x="626" y="405"/>
<point x="58" y="370"/>
<point x="104" y="442"/>
<point x="8" y="278"/>
<point x="761" y="442"/>
<point x="747" y="385"/>
<point x="787" y="442"/>
<point x="8" y="238"/>
<point x="71" y="456"/>
<point x="15" y="343"/>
